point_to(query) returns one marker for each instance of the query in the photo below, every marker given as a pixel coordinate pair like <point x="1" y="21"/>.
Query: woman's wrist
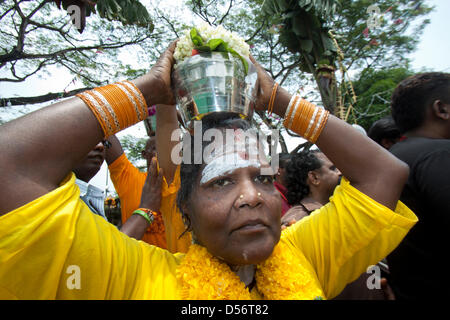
<point x="281" y="101"/>
<point x="144" y="84"/>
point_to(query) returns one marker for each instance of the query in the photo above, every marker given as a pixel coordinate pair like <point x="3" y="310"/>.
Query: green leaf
<point x="202" y="48"/>
<point x="244" y="62"/>
<point x="223" y="47"/>
<point x="214" y="43"/>
<point x="195" y="37"/>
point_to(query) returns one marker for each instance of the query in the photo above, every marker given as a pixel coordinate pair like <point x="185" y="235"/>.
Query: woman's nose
<point x="248" y="195"/>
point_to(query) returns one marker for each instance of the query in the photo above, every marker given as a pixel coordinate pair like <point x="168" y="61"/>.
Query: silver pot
<point x="212" y="82"/>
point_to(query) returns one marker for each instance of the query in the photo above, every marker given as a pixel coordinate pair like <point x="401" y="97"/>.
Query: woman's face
<point x="235" y="209"/>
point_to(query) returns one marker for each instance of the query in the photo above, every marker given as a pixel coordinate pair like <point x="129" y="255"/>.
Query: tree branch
<point x="226" y="13"/>
<point x="16" y="101"/>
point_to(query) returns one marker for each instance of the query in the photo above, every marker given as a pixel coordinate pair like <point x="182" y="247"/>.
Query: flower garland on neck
<point x="280" y="277"/>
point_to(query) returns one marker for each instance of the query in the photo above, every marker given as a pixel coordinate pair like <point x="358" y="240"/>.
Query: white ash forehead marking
<point x="228" y="157"/>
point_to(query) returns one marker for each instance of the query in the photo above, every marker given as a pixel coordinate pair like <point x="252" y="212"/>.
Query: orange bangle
<point x="272" y="98"/>
<point x="290" y="112"/>
<point x="306" y="119"/>
<point x="116" y="106"/>
<point x="321" y="126"/>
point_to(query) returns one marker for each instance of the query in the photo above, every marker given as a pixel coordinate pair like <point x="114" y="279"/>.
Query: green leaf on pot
<point x="244" y="62"/>
<point x="217" y="45"/>
<point x="203" y="48"/>
<point x="214" y="43"/>
<point x="195" y="37"/>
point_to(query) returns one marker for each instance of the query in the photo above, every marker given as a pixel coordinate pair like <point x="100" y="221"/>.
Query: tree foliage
<point x="125" y="11"/>
<point x="34" y="36"/>
<point x="133" y="147"/>
<point x="374" y="89"/>
<point x="97" y="56"/>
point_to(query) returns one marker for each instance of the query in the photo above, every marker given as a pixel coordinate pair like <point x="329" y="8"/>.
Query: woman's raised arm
<point x="39" y="150"/>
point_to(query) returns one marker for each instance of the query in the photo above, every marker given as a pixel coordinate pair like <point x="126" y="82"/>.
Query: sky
<point x="432" y="53"/>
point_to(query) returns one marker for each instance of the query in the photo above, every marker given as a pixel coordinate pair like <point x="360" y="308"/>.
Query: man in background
<point x="420" y="106"/>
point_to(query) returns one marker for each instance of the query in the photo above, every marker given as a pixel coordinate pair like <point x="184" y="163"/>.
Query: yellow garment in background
<point x="128" y="182"/>
<point x="42" y="241"/>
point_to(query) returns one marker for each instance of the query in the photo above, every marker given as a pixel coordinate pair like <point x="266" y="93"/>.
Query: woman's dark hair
<point x="297" y="174"/>
<point x="384" y="128"/>
<point x="414" y="94"/>
<point x="189" y="172"/>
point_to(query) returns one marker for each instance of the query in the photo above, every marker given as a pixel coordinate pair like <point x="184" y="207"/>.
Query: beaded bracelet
<point x="305" y="118"/>
<point x="148" y="214"/>
<point x="116" y="106"/>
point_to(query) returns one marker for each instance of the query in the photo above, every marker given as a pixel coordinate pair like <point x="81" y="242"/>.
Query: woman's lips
<point x="251" y="227"/>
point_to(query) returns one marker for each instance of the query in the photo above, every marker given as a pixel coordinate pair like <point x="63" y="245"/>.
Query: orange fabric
<point x="128" y="182"/>
<point x="172" y="216"/>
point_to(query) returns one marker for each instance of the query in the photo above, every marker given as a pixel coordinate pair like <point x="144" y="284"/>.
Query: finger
<point x="152" y="170"/>
<point x="172" y="45"/>
<point x="159" y="179"/>
<point x="171" y="49"/>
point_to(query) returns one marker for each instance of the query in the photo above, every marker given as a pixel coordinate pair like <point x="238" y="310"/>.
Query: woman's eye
<point x="265" y="179"/>
<point x="221" y="182"/>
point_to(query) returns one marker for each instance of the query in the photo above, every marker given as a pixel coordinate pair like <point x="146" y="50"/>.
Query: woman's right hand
<point x="264" y="87"/>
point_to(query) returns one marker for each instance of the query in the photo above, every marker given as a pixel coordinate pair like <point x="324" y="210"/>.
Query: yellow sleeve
<point x="348" y="234"/>
<point x="173" y="222"/>
<point x="55" y="248"/>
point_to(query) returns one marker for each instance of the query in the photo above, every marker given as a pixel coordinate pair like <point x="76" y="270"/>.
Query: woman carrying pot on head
<point x="56" y="248"/>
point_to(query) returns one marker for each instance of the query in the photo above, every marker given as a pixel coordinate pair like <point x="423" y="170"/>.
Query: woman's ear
<point x="186" y="219"/>
<point x="313" y="178"/>
<point x="441" y="110"/>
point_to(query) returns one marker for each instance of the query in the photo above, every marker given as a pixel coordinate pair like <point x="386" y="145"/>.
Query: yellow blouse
<point x="55" y="248"/>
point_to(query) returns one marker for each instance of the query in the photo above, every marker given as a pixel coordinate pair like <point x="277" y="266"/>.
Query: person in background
<point x="384" y="132"/>
<point x="140" y="221"/>
<point x="311" y="180"/>
<point x="130" y="182"/>
<point x="280" y="182"/>
<point x="420" y="107"/>
<point x="85" y="170"/>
